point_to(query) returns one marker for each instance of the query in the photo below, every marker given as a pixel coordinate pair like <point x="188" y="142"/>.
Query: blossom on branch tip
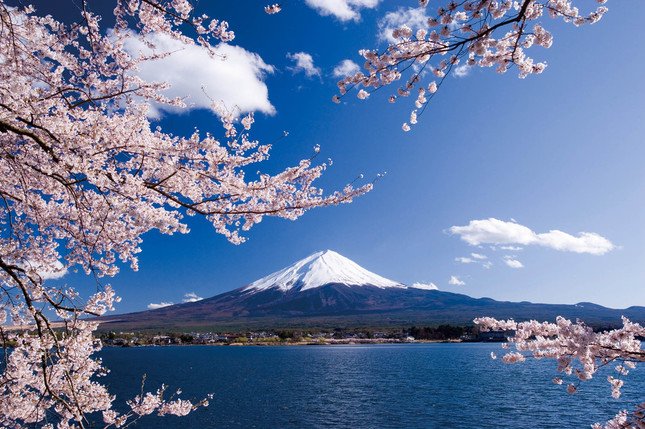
<point x="272" y="9"/>
<point x="362" y="94"/>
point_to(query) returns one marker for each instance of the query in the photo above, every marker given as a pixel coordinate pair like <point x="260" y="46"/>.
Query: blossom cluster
<point x="579" y="352"/>
<point x="272" y="9"/>
<point x="84" y="174"/>
<point x="481" y="33"/>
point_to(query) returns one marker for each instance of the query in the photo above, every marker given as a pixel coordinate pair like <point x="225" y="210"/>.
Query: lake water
<point x="381" y="386"/>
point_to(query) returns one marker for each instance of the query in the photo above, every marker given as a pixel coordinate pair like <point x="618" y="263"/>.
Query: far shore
<point x="301" y="343"/>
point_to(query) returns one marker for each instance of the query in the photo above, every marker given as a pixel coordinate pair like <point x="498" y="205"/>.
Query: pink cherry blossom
<point x="579" y="352"/>
<point x="84" y="175"/>
<point x="272" y="9"/>
<point x="488" y="34"/>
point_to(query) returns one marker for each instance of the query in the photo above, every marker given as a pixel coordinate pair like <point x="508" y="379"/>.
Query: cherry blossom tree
<point x="84" y="174"/>
<point x="473" y="33"/>
<point x="580" y="353"/>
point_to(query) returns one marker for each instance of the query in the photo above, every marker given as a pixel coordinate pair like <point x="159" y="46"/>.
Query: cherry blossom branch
<point x="469" y="26"/>
<point x="579" y="352"/>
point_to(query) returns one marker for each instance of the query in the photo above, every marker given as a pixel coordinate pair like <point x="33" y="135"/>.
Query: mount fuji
<point x="318" y="270"/>
<point x="327" y="289"/>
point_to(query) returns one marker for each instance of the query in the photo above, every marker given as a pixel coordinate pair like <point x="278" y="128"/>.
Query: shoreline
<point x="340" y="342"/>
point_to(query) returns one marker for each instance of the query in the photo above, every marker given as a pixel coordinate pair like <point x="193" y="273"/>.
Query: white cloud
<point x="456" y="281"/>
<point x="513" y="263"/>
<point x="425" y="286"/>
<point x="188" y="297"/>
<point x="304" y="63"/>
<point x="585" y="242"/>
<point x="511" y="248"/>
<point x="46" y="271"/>
<point x="475" y="258"/>
<point x="495" y="231"/>
<point x="52" y="273"/>
<point x="346" y="68"/>
<point x="154" y="306"/>
<point x="462" y="70"/>
<point x="233" y="77"/>
<point x="414" y="18"/>
<point x="191" y="297"/>
<point x="344" y="10"/>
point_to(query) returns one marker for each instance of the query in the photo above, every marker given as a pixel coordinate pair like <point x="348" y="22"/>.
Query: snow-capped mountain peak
<point x="320" y="269"/>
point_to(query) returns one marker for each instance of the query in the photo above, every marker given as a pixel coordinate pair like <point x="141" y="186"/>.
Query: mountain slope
<point x="328" y="290"/>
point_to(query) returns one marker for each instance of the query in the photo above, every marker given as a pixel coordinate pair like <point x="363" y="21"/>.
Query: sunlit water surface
<point x="380" y="386"/>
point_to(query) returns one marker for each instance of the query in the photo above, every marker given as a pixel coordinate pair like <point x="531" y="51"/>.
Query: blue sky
<point x="559" y="151"/>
